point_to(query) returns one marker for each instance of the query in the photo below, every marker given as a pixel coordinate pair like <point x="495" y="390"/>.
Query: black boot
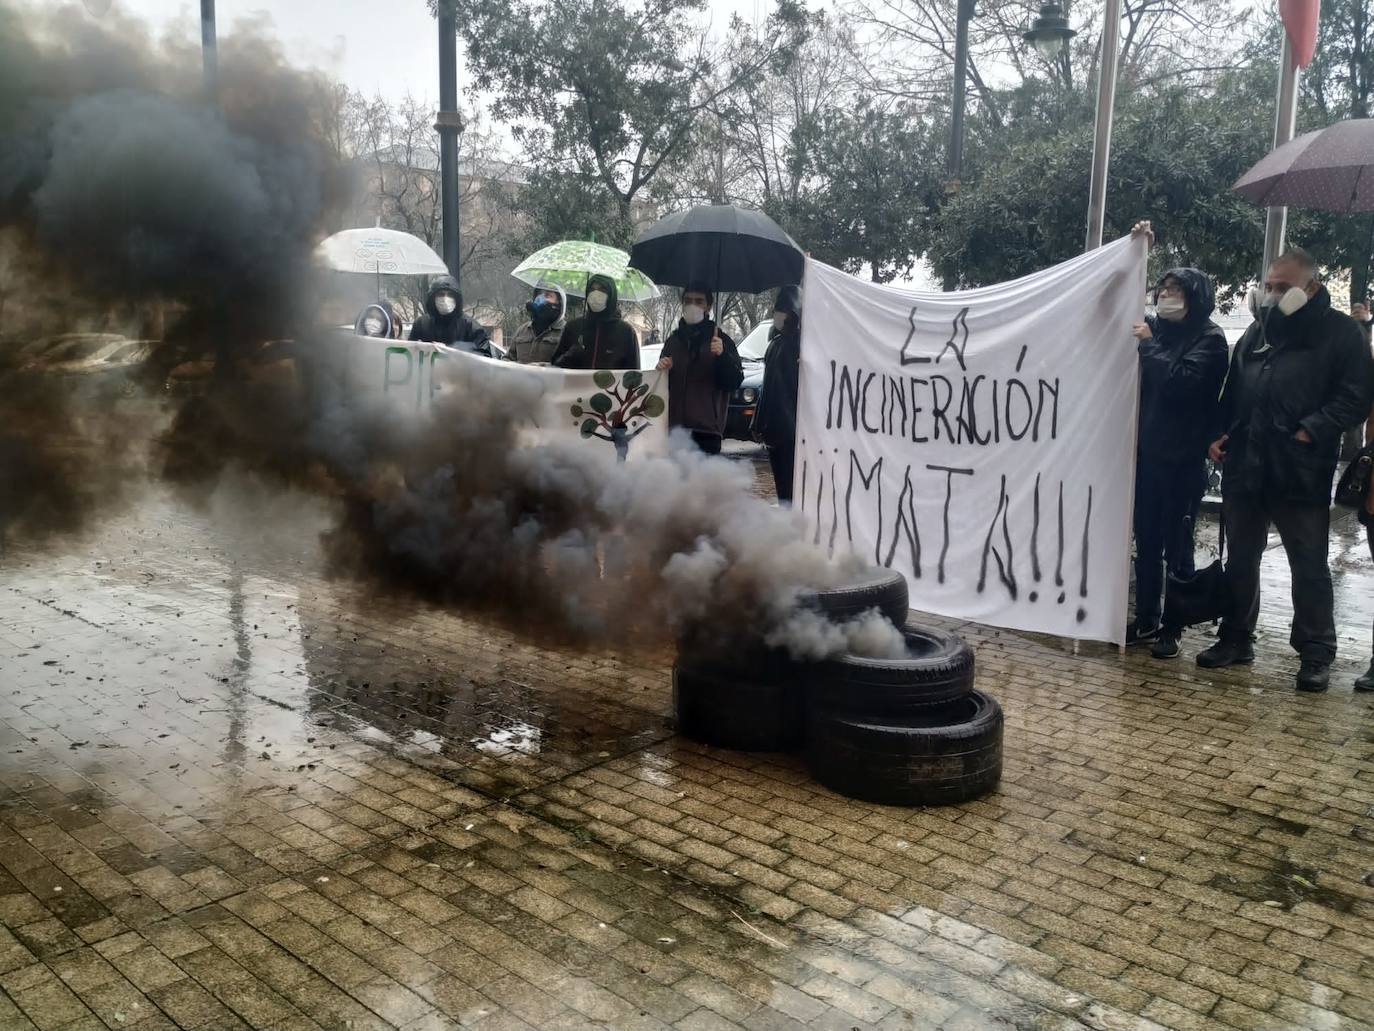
<point x="1366" y="679"/>
<point x="1227" y="653"/>
<point x="1314" y="675"/>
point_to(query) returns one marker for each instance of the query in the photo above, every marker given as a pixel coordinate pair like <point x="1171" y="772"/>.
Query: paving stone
<point x="382" y="817"/>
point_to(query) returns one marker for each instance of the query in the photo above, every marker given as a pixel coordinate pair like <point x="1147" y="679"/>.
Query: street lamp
<point x="1050" y="31"/>
<point x="449" y="125"/>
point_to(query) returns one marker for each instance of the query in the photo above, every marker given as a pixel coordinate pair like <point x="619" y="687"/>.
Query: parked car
<point x="744" y="402"/>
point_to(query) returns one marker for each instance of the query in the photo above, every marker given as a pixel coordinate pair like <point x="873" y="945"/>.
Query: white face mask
<point x="445" y="304"/>
<point x="1292" y="299"/>
<point x="780" y="321"/>
<point x="373" y="326"/>
<point x="1171" y="308"/>
<point x="596" y="300"/>
<point x="692" y="314"/>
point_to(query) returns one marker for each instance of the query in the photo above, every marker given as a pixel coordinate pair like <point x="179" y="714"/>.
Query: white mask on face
<point x="1292" y="299"/>
<point x="693" y="314"/>
<point x="373" y="326"/>
<point x="1171" y="308"/>
<point x="596" y="300"/>
<point x="445" y="304"/>
<point x="780" y="321"/>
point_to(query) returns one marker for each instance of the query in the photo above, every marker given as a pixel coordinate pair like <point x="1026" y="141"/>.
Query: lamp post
<point x="954" y="165"/>
<point x="209" y="55"/>
<point x="449" y="125"/>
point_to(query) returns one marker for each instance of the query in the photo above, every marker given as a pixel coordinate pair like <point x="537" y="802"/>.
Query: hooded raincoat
<point x="455" y="329"/>
<point x="599" y="340"/>
<point x="776" y="419"/>
<point x="1182" y="368"/>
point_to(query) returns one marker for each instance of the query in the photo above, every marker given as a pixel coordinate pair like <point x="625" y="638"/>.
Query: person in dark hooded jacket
<point x="704" y="369"/>
<point x="600" y="339"/>
<point x="1182" y="366"/>
<point x="444" y="322"/>
<point x="775" y="421"/>
<point x="1299" y="378"/>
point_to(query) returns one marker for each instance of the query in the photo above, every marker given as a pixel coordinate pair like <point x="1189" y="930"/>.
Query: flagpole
<point x="1285" y="117"/>
<point x="1102" y="128"/>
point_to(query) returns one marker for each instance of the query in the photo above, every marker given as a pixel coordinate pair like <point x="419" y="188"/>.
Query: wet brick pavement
<point x="233" y="794"/>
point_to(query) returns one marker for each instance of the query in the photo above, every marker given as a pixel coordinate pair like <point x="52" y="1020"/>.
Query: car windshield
<point x="752" y="347"/>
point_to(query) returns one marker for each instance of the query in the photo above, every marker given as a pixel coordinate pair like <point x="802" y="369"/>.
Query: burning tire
<point x="732" y="690"/>
<point x="942" y="755"/>
<point x="876" y="588"/>
<point x="732" y="712"/>
<point x="937" y="670"/>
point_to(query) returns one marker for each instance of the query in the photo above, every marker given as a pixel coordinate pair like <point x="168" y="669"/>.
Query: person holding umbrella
<point x="537" y="340"/>
<point x="600" y="339"/>
<point x="704" y="369"/>
<point x="776" y="419"/>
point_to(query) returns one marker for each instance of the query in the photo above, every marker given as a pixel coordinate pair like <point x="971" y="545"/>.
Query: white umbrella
<point x="381" y="252"/>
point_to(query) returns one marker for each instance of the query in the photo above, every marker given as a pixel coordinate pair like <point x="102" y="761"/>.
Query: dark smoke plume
<point x="125" y="190"/>
<point x="121" y="191"/>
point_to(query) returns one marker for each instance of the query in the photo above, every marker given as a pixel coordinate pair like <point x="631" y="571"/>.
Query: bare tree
<point x="907" y="46"/>
<point x="396" y="151"/>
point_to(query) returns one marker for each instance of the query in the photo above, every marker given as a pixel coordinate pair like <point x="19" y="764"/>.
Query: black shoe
<point x="1313" y="675"/>
<point x="1165" y="646"/>
<point x="1366" y="680"/>
<point x="1226" y="653"/>
<point x="1136" y="634"/>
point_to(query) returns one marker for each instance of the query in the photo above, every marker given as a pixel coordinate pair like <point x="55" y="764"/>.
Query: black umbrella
<point x="1331" y="169"/>
<point x="727" y="248"/>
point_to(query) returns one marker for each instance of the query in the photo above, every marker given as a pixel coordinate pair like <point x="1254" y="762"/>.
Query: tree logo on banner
<point x="620" y="411"/>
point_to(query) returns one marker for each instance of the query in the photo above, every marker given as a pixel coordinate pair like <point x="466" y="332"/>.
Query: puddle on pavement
<point x="1283" y="887"/>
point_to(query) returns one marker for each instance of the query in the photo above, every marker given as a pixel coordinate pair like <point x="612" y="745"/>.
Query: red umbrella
<point x="1331" y="169"/>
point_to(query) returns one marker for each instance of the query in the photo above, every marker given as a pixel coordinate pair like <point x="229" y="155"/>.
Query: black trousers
<point x="781" y="460"/>
<point x="1167" y="495"/>
<point x="1304" y="530"/>
<point x="1369" y="537"/>
<point x="708" y="442"/>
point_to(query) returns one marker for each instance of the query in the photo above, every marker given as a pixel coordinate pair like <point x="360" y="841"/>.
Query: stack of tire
<point x="908" y="731"/>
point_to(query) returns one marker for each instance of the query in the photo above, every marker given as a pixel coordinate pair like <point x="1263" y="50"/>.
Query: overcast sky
<point x="386" y="47"/>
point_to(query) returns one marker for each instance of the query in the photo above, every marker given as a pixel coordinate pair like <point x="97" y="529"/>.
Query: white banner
<point x="981" y="442"/>
<point x="623" y="410"/>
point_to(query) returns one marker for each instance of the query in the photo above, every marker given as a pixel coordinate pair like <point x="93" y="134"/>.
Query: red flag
<point x="1300" y="22"/>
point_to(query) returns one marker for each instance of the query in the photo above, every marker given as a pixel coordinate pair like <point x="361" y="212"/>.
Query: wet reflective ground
<point x="235" y="795"/>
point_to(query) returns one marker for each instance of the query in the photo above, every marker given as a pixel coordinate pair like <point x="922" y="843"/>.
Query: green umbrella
<point x="569" y="262"/>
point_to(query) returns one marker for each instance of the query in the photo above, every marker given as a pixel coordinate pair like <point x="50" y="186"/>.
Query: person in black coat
<point x="704" y="369"/>
<point x="1182" y="366"/>
<point x="444" y="322"/>
<point x="599" y="339"/>
<point x="775" y="421"/>
<point x="1299" y="378"/>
